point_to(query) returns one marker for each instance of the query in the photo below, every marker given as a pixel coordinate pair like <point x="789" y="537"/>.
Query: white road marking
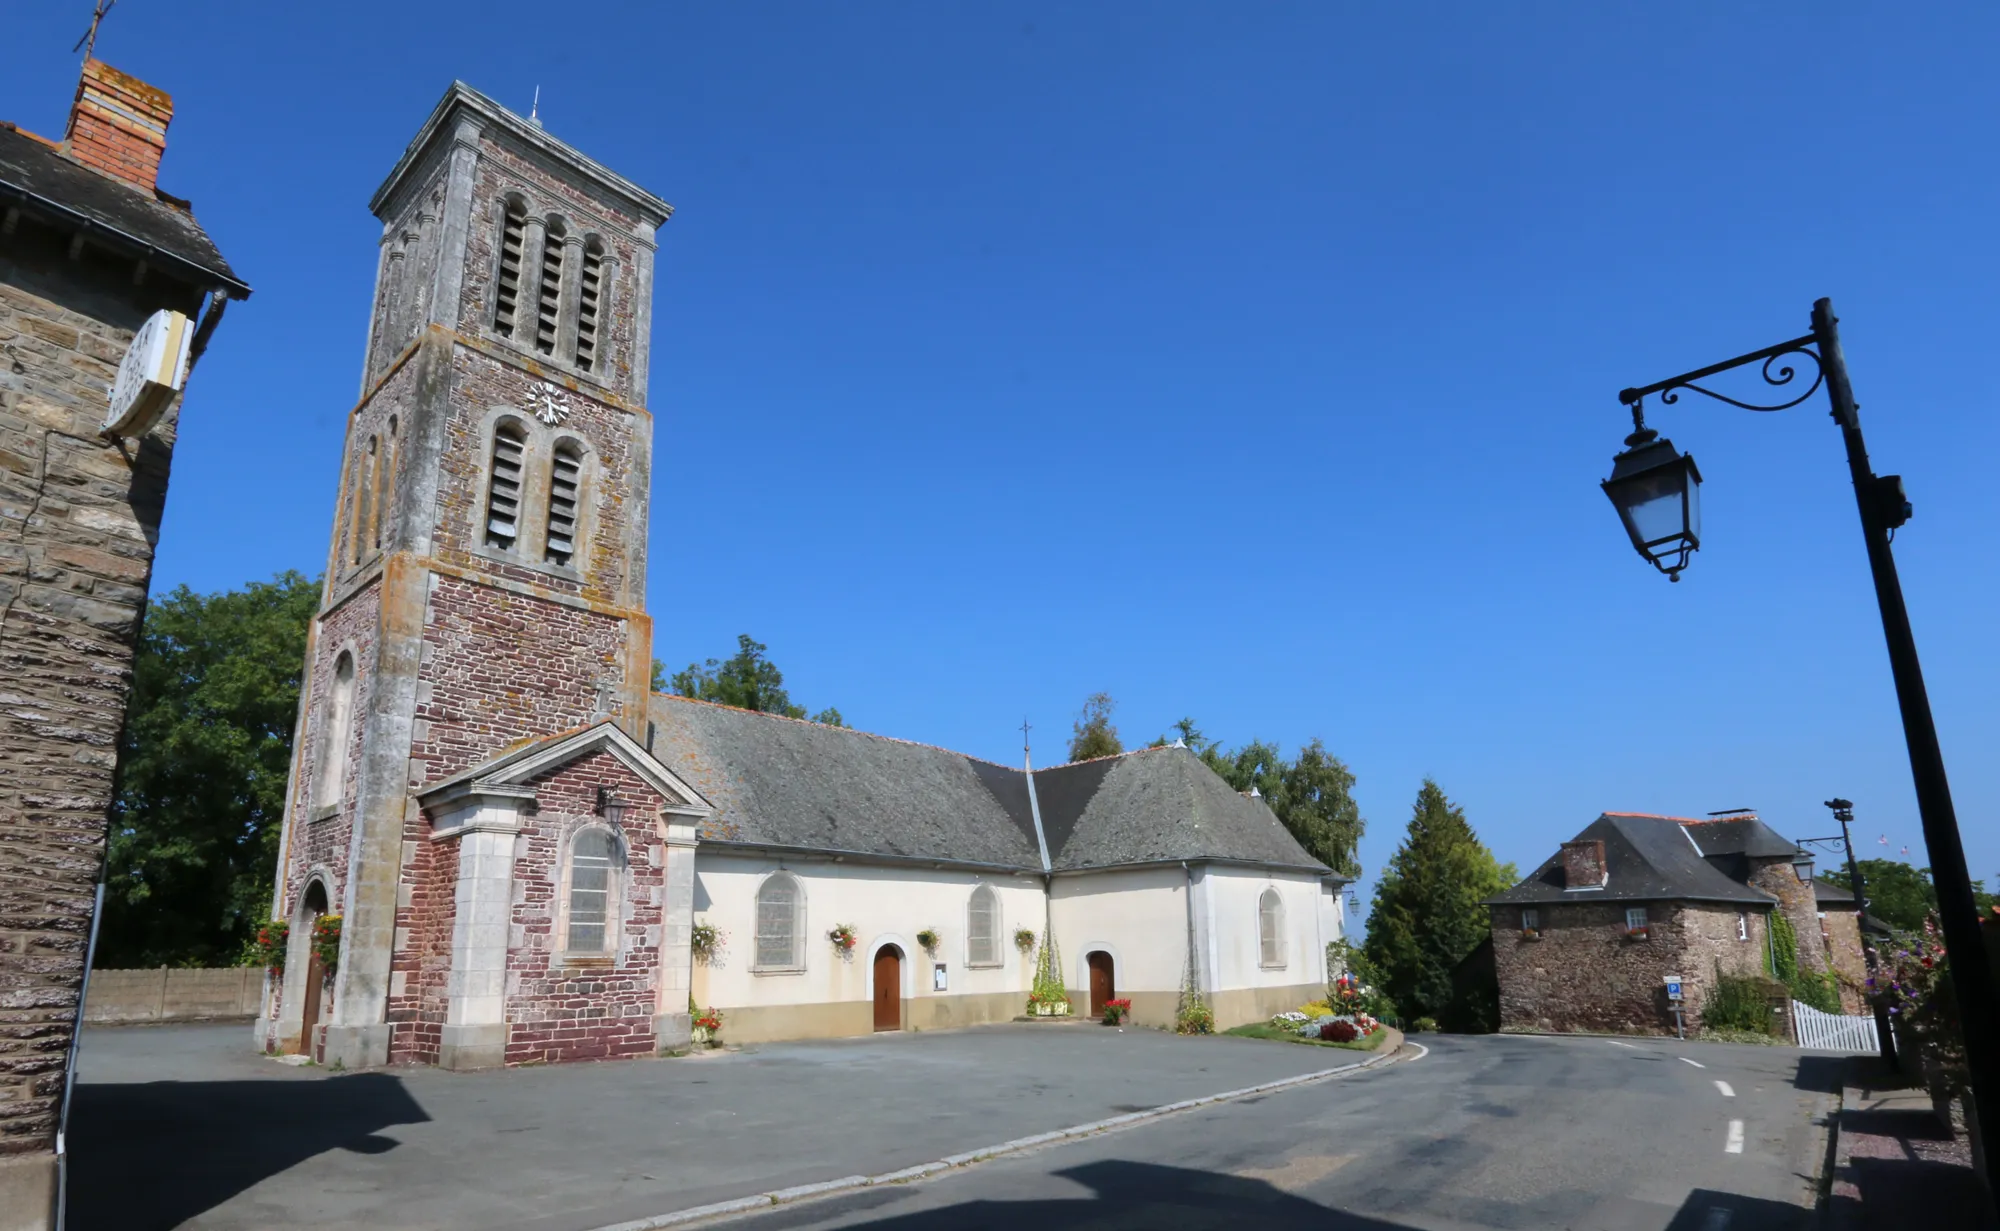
<point x="1735" y="1145"/>
<point x="1724" y="1087"/>
<point x="1696" y="1063"/>
<point x="1616" y="1043"/>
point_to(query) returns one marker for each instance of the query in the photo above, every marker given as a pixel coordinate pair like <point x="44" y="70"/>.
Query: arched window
<point x="565" y="484"/>
<point x="365" y="473"/>
<point x="1271" y="928"/>
<point x="982" y="927"/>
<point x="336" y="725"/>
<point x="503" y="491"/>
<point x="548" y="300"/>
<point x="507" y="284"/>
<point x="780" y="924"/>
<point x="590" y="291"/>
<point x="593" y="897"/>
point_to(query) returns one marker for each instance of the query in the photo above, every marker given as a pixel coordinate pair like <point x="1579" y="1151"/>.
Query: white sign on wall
<point x="155" y="365"/>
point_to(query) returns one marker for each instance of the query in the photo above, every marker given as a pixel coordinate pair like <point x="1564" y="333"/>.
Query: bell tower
<point x="485" y="581"/>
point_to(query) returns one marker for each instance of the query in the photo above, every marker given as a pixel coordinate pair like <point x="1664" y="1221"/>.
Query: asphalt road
<point x="184" y="1127"/>
<point x="1496" y="1132"/>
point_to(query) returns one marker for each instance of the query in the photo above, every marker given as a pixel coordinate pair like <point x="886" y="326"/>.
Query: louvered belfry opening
<point x="565" y="479"/>
<point x="549" y="301"/>
<point x="590" y="288"/>
<point x="507" y="294"/>
<point x="503" y="497"/>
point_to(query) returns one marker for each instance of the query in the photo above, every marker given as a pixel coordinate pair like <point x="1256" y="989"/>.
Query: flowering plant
<point x="1024" y="939"/>
<point x="1338" y="1031"/>
<point x="1637" y="933"/>
<point x="705" y="939"/>
<point x="928" y="939"/>
<point x="326" y="942"/>
<point x="1914" y="985"/>
<point x="843" y="937"/>
<point x="709" y="1019"/>
<point x="1116" y="1011"/>
<point x="268" y="949"/>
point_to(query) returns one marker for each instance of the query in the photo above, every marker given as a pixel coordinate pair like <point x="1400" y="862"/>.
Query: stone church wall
<point x="499" y="666"/>
<point x="321" y="845"/>
<point x="576" y="1008"/>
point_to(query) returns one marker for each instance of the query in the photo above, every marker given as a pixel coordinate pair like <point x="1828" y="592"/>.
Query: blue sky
<point x="1250" y="364"/>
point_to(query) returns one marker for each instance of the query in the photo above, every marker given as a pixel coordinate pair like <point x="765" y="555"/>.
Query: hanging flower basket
<point x="267" y="949"/>
<point x="705" y="939"/>
<point x="1024" y="939"/>
<point x="844" y="937"/>
<point x="326" y="942"/>
<point x="928" y="940"/>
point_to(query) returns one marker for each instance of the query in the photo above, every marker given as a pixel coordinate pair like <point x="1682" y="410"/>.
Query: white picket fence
<point x="1833" y="1031"/>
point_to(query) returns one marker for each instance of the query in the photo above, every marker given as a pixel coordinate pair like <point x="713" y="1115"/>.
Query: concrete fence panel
<point x="169" y="994"/>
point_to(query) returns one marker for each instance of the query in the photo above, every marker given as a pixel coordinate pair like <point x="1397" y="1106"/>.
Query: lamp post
<point x="1843" y="811"/>
<point x="1656" y="493"/>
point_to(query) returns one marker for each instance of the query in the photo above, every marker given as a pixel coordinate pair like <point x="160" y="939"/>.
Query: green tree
<point x="203" y="766"/>
<point x="1312" y="793"/>
<point x="1427" y="916"/>
<point x="748" y="681"/>
<point x="1898" y="894"/>
<point x="1094" y="736"/>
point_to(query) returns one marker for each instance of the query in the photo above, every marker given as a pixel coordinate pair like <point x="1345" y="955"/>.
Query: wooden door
<point x="315" y="981"/>
<point x="889" y="988"/>
<point x="1102" y="986"/>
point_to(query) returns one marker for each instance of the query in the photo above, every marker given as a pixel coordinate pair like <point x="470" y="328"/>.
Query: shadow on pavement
<point x="156" y="1154"/>
<point x="1147" y="1195"/>
<point x="1822" y="1074"/>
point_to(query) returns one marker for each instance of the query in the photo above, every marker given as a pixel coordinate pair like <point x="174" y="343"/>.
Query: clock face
<point x="550" y="405"/>
<point x="153" y="370"/>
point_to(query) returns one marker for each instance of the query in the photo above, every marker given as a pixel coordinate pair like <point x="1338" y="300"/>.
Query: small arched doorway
<point x="888" y="988"/>
<point x="1103" y="986"/>
<point x="311" y="908"/>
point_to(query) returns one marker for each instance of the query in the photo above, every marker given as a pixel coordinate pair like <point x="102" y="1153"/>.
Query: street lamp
<point x="1657" y="493"/>
<point x="1648" y="513"/>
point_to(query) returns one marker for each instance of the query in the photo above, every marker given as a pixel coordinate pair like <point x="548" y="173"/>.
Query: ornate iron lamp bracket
<point x="1777" y="377"/>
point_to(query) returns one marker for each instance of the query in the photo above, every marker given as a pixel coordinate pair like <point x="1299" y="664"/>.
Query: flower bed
<point x="1116" y="1011"/>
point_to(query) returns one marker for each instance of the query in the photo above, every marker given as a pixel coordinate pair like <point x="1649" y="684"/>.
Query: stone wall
<point x="169" y="994"/>
<point x="1840" y="942"/>
<point x="561" y="1007"/>
<point x="1583" y="973"/>
<point x="1800" y="904"/>
<point x="79" y="515"/>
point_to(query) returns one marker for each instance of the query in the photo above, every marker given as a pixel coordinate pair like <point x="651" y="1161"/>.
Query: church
<point x="501" y="847"/>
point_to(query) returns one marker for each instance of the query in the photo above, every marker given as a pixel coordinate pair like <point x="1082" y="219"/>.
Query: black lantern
<point x="1657" y="493"/>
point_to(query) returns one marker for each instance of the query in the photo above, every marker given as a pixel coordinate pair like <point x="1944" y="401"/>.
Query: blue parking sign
<point x="1673" y="988"/>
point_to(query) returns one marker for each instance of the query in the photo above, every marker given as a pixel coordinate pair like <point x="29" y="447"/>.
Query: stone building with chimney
<point x="92" y="253"/>
<point x="507" y="844"/>
<point x="1587" y="941"/>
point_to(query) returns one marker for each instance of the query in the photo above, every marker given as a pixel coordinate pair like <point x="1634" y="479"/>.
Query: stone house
<point x="92" y="254"/>
<point x="520" y="840"/>
<point x="1588" y="940"/>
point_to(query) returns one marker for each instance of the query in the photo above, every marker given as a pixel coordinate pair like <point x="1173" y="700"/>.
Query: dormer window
<point x="590" y="291"/>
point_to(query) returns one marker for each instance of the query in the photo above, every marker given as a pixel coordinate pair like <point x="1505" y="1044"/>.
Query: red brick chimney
<point x="119" y="125"/>
<point x="1583" y="864"/>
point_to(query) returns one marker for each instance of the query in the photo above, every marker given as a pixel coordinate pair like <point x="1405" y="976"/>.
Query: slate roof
<point x="1739" y="836"/>
<point x="44" y="182"/>
<point x="1157" y="805"/>
<point x="784" y="782"/>
<point x="1826" y="893"/>
<point x="1649" y="859"/>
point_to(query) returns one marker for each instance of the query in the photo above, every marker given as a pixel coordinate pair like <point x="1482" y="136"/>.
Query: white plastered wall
<point x="1233" y="896"/>
<point x="1138" y="916"/>
<point x="885" y="905"/>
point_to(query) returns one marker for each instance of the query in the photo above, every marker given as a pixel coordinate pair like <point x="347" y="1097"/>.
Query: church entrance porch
<point x="888" y="988"/>
<point x="1103" y="986"/>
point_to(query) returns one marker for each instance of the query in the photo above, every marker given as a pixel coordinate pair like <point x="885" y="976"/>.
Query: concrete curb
<point x="804" y="1192"/>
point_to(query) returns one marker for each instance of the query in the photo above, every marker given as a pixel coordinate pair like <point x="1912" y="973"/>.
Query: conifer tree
<point x="1427" y="916"/>
<point x="1094" y="736"/>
